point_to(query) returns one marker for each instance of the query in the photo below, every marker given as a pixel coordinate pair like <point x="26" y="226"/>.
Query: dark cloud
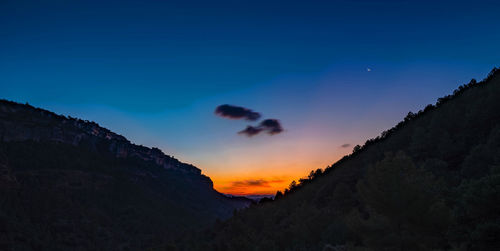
<point x="242" y="187"/>
<point x="271" y="126"/>
<point x="345" y="145"/>
<point x="254" y="183"/>
<point x="236" y="112"/>
<point x="251" y="131"/>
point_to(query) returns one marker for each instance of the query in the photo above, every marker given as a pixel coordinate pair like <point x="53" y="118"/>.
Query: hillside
<point x="67" y="184"/>
<point x="430" y="183"/>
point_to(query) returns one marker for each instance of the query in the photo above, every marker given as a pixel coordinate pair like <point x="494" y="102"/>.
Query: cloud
<point x="251" y="131"/>
<point x="236" y="112"/>
<point x="345" y="145"/>
<point x="253" y="183"/>
<point x="271" y="126"/>
<point x="253" y="186"/>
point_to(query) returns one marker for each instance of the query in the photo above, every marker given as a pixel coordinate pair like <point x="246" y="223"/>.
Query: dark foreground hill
<point x="68" y="184"/>
<point x="430" y="183"/>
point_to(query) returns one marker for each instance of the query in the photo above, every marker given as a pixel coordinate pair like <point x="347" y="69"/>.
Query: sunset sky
<point x="334" y="74"/>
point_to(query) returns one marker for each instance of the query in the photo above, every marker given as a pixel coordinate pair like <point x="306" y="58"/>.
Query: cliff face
<point x="70" y="184"/>
<point x="24" y="122"/>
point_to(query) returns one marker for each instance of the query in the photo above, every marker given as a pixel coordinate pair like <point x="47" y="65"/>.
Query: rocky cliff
<point x="23" y="122"/>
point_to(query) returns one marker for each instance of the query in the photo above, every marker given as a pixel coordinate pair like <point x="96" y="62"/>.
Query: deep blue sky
<point x="154" y="71"/>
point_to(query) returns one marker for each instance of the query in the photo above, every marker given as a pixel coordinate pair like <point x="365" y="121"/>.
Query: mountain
<point x="70" y="184"/>
<point x="430" y="183"/>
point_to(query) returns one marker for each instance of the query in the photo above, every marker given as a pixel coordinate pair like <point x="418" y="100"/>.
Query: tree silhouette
<point x="405" y="201"/>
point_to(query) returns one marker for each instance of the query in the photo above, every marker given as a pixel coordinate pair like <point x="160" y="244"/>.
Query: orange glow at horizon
<point x="263" y="166"/>
<point x="250" y="186"/>
<point x="245" y="179"/>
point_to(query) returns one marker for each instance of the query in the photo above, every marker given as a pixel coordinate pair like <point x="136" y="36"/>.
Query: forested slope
<point x="430" y="183"/>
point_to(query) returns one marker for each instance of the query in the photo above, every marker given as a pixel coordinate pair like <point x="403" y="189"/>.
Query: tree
<point x="343" y="198"/>
<point x="405" y="210"/>
<point x="356" y="148"/>
<point x="477" y="214"/>
<point x="278" y="195"/>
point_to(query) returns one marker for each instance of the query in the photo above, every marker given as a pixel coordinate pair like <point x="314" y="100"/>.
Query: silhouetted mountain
<point x="430" y="183"/>
<point x="68" y="184"/>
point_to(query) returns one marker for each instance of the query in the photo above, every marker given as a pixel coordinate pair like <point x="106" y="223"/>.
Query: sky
<point x="333" y="73"/>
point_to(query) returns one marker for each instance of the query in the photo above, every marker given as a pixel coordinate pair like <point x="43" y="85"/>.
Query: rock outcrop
<point x="23" y="122"/>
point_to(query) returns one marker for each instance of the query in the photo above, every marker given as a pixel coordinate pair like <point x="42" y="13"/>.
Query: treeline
<point x="42" y="112"/>
<point x="294" y="185"/>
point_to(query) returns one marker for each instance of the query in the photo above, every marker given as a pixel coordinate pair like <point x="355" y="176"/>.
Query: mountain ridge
<point x="66" y="183"/>
<point x="64" y="131"/>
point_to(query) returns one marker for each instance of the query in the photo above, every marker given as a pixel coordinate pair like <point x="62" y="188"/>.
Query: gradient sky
<point x="154" y="71"/>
